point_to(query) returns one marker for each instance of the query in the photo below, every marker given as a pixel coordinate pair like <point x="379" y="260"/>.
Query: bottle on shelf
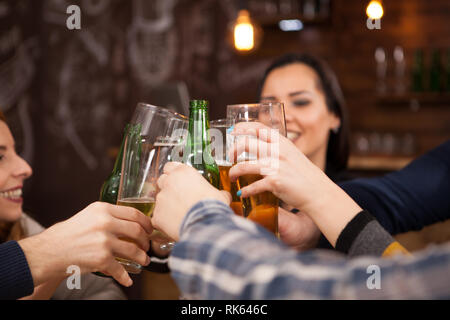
<point x="417" y="71"/>
<point x="447" y="71"/>
<point x="400" y="67"/>
<point x="381" y="71"/>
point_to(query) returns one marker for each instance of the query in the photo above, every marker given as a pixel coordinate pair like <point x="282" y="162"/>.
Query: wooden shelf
<point x="378" y="163"/>
<point x="416" y="99"/>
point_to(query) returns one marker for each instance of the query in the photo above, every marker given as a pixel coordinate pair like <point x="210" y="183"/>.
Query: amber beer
<point x="261" y="208"/>
<point x="231" y="187"/>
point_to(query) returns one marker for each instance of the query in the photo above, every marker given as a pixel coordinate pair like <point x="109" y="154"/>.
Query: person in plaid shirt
<point x="223" y="256"/>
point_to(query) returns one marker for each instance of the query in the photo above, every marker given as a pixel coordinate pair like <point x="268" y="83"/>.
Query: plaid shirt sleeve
<point x="224" y="256"/>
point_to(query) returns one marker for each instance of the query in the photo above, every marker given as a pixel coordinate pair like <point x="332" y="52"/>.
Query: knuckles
<point x="134" y="214"/>
<point x="137" y="230"/>
<point x="98" y="206"/>
<point x="104" y="221"/>
<point x="274" y="182"/>
<point x="136" y="253"/>
<point x="134" y="250"/>
<point x="103" y="241"/>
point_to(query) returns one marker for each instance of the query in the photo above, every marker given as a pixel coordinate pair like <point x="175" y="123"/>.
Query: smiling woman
<point x="317" y="124"/>
<point x="316" y="116"/>
<point x="16" y="225"/>
<point x="13" y="172"/>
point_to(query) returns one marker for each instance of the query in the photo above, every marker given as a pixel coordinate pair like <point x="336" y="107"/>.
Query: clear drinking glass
<point x="261" y="208"/>
<point x="166" y="149"/>
<point x="149" y="127"/>
<point x="218" y="133"/>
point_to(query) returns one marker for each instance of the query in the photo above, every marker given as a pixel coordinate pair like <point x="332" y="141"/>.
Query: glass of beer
<point x="167" y="149"/>
<point x="218" y="133"/>
<point x="143" y="147"/>
<point x="261" y="208"/>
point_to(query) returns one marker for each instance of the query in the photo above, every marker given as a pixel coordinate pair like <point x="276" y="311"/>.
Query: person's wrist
<point x="217" y="196"/>
<point x="192" y="210"/>
<point x="42" y="257"/>
<point x="331" y="198"/>
<point x="319" y="195"/>
<point x="332" y="211"/>
<point x="224" y="197"/>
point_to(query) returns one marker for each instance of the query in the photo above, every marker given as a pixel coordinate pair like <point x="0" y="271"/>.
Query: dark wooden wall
<point x="74" y="90"/>
<point x="410" y="24"/>
<point x="349" y="47"/>
<point x="86" y="83"/>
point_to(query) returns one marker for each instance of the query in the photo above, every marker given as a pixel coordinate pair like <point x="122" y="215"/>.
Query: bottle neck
<point x="198" y="129"/>
<point x="118" y="164"/>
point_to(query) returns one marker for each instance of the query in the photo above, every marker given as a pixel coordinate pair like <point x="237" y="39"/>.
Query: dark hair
<point x="338" y="143"/>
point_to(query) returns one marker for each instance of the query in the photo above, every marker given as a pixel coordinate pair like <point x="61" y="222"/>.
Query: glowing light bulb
<point x="244" y="32"/>
<point x="374" y="10"/>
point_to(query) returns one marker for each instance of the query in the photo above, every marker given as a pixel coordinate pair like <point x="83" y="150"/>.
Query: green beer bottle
<point x="197" y="152"/>
<point x="110" y="187"/>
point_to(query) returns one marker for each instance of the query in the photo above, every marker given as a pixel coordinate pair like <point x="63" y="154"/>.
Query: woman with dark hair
<point x="316" y="116"/>
<point x="317" y="124"/>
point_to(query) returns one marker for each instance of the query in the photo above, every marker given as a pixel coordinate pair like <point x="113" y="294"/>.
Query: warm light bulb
<point x="244" y="33"/>
<point x="374" y="10"/>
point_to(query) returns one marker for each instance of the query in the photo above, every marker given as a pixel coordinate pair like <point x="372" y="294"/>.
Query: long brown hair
<point x="338" y="143"/>
<point x="10" y="230"/>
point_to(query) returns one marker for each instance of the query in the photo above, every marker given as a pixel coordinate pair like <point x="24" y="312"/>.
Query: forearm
<point x="44" y="257"/>
<point x="222" y="256"/>
<point x="332" y="211"/>
<point x="411" y="198"/>
<point x="216" y="255"/>
<point x="350" y="229"/>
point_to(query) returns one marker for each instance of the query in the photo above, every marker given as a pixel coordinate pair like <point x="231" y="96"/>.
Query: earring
<point x="335" y="130"/>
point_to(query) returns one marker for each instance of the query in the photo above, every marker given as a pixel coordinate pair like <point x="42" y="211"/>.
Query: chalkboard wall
<point x="68" y="93"/>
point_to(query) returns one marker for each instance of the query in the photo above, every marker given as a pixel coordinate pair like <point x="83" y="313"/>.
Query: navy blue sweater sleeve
<point x="411" y="198"/>
<point x="15" y="275"/>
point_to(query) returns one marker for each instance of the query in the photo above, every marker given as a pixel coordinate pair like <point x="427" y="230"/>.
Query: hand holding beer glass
<point x="261" y="208"/>
<point x="218" y="129"/>
<point x="150" y="133"/>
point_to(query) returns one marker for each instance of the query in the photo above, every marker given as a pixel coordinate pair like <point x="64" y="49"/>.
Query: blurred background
<point x="67" y="94"/>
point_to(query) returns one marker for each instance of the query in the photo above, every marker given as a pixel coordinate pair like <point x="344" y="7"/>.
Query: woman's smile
<point x="13" y="195"/>
<point x="293" y="135"/>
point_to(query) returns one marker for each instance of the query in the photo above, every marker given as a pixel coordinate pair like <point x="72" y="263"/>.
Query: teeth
<point x="11" y="194"/>
<point x="292" y="135"/>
